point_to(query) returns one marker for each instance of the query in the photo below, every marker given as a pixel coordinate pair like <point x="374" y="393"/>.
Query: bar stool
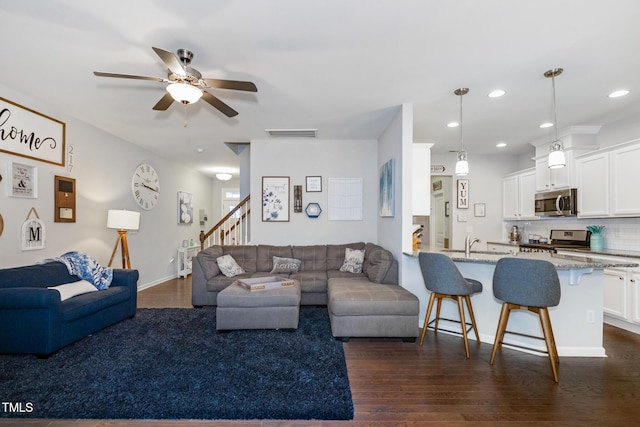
<point x="532" y="285"/>
<point x="444" y="280"/>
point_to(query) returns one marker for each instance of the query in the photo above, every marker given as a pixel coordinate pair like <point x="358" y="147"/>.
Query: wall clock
<point x="145" y="186"/>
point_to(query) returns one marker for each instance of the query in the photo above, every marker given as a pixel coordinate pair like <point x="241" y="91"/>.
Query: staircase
<point x="233" y="229"/>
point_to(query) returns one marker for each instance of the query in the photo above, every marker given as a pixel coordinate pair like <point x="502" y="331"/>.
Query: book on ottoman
<point x="264" y="283"/>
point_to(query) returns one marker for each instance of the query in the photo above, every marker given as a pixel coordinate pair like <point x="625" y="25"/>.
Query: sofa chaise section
<point x="361" y="308"/>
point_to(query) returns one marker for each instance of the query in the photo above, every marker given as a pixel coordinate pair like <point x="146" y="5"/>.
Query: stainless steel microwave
<point x="557" y="203"/>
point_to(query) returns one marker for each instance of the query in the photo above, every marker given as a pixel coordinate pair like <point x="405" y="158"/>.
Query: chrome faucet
<point x="468" y="243"/>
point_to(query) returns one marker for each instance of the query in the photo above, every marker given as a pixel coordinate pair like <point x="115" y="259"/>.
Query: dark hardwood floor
<point x="402" y="384"/>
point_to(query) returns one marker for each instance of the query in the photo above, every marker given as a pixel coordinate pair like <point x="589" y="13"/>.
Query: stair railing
<point x="233" y="229"/>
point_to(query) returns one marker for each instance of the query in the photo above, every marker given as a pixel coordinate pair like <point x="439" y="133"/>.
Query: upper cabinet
<point x="553" y="179"/>
<point x="576" y="140"/>
<point x="518" y="195"/>
<point x="625" y="199"/>
<point x="606" y="182"/>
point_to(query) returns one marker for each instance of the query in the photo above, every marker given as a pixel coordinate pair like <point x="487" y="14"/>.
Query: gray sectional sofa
<point x="369" y="303"/>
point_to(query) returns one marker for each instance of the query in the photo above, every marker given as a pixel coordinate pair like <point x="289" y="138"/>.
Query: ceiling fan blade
<point x="230" y="84"/>
<point x="164" y="102"/>
<point x="172" y="62"/>
<point x="129" y="76"/>
<point x="217" y="103"/>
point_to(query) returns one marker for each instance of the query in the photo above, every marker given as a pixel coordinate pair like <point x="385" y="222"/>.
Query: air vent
<point x="292" y="133"/>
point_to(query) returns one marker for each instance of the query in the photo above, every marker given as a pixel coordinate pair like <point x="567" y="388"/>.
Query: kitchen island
<point x="577" y="321"/>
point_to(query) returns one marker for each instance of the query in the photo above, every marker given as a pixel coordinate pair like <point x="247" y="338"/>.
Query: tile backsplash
<point x="618" y="233"/>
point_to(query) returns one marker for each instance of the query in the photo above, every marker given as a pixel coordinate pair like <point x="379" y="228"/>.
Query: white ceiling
<point x="339" y="66"/>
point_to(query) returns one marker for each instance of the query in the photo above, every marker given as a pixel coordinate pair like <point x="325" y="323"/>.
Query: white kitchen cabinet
<point x="634" y="285"/>
<point x="518" y="195"/>
<point x="625" y="200"/>
<point x="606" y="182"/>
<point x="553" y="179"/>
<point x="593" y="185"/>
<point x="616" y="293"/>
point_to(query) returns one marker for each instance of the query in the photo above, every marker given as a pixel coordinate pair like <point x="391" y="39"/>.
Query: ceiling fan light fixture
<point x="223" y="176"/>
<point x="184" y="93"/>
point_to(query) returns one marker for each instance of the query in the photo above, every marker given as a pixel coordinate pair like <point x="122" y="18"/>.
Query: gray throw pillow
<point x="228" y="266"/>
<point x="285" y="265"/>
<point x="353" y="260"/>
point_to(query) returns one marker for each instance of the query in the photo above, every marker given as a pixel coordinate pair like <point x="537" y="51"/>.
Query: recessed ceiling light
<point x="618" y="93"/>
<point x="453" y="125"/>
<point x="501" y="144"/>
<point x="496" y="93"/>
<point x="200" y="150"/>
<point x="546" y="125"/>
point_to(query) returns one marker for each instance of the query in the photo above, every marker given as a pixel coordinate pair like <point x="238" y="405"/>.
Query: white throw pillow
<point x="228" y="266"/>
<point x="69" y="290"/>
<point x="353" y="260"/>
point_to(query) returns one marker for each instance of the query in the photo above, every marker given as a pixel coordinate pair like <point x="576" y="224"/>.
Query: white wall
<point x="102" y="166"/>
<point x="297" y="158"/>
<point x="485" y="186"/>
<point x="390" y="146"/>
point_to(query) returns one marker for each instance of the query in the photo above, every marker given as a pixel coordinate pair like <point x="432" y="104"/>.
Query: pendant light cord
<point x="461" y="134"/>
<point x="555" y="116"/>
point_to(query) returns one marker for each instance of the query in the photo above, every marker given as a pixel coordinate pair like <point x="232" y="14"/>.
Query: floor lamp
<point x="122" y="221"/>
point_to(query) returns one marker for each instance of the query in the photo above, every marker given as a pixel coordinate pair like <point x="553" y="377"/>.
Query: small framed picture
<point x="313" y="184"/>
<point x="479" y="209"/>
<point x="24" y="180"/>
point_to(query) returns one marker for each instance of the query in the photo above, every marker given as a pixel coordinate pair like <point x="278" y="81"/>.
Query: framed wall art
<point x="30" y="134"/>
<point x="463" y="194"/>
<point x="387" y="203"/>
<point x="479" y="209"/>
<point x="313" y="184"/>
<point x="33" y="232"/>
<point x="23" y="180"/>
<point x="185" y="208"/>
<point x="275" y="198"/>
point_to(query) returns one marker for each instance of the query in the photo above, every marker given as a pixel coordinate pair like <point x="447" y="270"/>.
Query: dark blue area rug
<point x="172" y="364"/>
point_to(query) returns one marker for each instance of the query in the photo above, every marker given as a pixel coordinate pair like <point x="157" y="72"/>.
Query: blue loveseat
<point x="34" y="320"/>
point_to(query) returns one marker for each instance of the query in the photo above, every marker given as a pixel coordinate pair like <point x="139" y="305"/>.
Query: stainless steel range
<point x="560" y="239"/>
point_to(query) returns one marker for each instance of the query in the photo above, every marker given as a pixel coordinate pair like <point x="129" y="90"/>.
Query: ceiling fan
<point x="186" y="84"/>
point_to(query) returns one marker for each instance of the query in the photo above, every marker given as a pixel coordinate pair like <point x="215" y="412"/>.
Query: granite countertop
<point x="622" y="253"/>
<point x="561" y="262"/>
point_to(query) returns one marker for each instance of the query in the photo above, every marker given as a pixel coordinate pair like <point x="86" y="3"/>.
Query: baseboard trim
<point x="156" y="282"/>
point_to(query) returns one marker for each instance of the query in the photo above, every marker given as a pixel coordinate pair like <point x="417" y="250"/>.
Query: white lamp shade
<point x="462" y="167"/>
<point x="557" y="159"/>
<point x="185" y="93"/>
<point x="123" y="220"/>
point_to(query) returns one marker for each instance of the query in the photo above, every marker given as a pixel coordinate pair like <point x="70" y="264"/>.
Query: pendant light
<point x="462" y="165"/>
<point x="556" y="150"/>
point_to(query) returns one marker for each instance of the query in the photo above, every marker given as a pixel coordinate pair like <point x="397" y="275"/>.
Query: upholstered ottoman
<point x="239" y="308"/>
<point x="359" y="308"/>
